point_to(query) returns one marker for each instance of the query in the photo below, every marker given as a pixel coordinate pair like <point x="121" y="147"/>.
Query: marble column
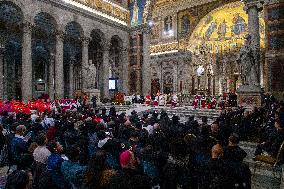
<point x="105" y="68"/>
<point x="51" y="78"/>
<point x="175" y="77"/>
<point x="252" y="8"/>
<point x="125" y="67"/>
<point x="146" y="72"/>
<point x="27" y="76"/>
<point x="85" y="61"/>
<point x="160" y="77"/>
<point x="71" y="76"/>
<point x="1" y="72"/>
<point x="59" y="73"/>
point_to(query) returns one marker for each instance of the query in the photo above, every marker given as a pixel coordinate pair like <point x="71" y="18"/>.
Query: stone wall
<point x="64" y="13"/>
<point x="275" y="47"/>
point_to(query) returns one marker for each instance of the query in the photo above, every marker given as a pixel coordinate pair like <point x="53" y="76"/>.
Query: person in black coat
<point x="273" y="142"/>
<point x="234" y="156"/>
<point x="218" y="133"/>
<point x="216" y="175"/>
<point x="94" y="101"/>
<point x="232" y="152"/>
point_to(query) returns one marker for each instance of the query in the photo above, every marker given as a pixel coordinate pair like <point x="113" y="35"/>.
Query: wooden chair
<point x="271" y="160"/>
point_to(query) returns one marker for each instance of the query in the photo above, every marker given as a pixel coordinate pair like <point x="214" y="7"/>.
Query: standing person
<point x="94" y="101"/>
<point x="98" y="174"/>
<point x="40" y="154"/>
<point x="73" y="172"/>
<point x="54" y="163"/>
<point x="18" y="145"/>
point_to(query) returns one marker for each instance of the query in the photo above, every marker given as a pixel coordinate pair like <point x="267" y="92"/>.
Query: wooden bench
<point x="271" y="160"/>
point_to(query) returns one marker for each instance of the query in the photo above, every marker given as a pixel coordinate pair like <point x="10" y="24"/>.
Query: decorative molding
<point x="107" y="8"/>
<point x="163" y="48"/>
<point x="60" y="35"/>
<point x="27" y="26"/>
<point x="85" y="40"/>
<point x="253" y="3"/>
<point x="86" y="14"/>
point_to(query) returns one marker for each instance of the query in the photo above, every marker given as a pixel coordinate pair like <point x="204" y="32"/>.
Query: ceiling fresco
<point x="222" y="29"/>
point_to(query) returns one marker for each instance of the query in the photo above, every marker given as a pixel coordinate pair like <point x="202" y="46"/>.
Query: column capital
<point x="86" y="40"/>
<point x="72" y="59"/>
<point x="106" y="45"/>
<point x="270" y="2"/>
<point x="258" y="4"/>
<point x="27" y="26"/>
<point x="60" y="35"/>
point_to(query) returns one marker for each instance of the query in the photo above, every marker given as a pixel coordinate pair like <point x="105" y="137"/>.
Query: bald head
<point x="217" y="151"/>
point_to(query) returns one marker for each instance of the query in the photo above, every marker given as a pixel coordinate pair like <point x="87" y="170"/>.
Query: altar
<point x="201" y="91"/>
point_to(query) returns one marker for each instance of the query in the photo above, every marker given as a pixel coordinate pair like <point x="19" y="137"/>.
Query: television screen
<point x="112" y="84"/>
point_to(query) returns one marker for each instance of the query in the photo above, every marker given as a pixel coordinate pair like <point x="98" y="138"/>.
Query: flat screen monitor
<point x="112" y="84"/>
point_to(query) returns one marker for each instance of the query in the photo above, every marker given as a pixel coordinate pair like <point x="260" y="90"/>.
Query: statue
<point x="185" y="24"/>
<point x="90" y="75"/>
<point x="247" y="60"/>
<point x="135" y="17"/>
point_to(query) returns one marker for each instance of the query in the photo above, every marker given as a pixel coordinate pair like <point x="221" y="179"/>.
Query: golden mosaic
<point x="163" y="48"/>
<point x="107" y="8"/>
<point x="223" y="29"/>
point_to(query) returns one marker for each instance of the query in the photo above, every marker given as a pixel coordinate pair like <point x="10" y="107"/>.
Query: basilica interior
<point x="63" y="48"/>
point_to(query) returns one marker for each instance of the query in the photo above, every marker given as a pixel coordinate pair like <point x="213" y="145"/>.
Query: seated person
<point x="276" y="137"/>
<point x="233" y="153"/>
<point x="216" y="173"/>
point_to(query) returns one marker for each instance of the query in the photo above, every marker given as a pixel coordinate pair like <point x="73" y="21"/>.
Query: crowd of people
<point x="86" y="148"/>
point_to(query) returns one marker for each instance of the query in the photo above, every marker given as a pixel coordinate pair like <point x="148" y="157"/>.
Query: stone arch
<point x="17" y="3"/>
<point x="75" y="29"/>
<point x="96" y="52"/>
<point x="229" y="11"/>
<point x="98" y="35"/>
<point x="59" y="20"/>
<point x="43" y="49"/>
<point x="116" y="63"/>
<point x="45" y="18"/>
<point x="72" y="58"/>
<point x="18" y="6"/>
<point x="11" y="19"/>
<point x="118" y="40"/>
<point x="214" y="39"/>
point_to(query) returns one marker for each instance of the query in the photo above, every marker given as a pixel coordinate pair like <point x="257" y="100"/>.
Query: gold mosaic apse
<point x="223" y="29"/>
